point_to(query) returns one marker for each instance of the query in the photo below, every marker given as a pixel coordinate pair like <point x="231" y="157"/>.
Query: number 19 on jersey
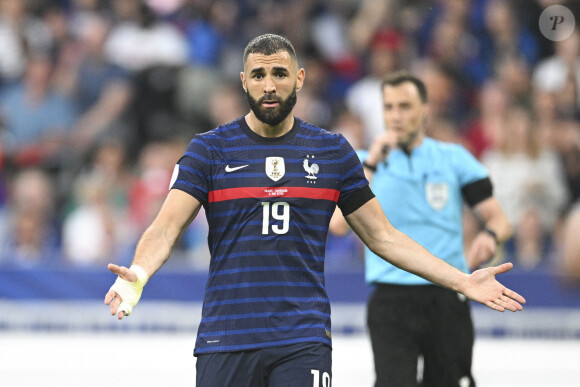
<point x="278" y="211"/>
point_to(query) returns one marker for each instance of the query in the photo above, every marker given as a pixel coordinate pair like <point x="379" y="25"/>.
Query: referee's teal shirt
<point x="421" y="196"/>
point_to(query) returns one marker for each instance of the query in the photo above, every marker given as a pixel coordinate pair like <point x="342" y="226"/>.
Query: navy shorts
<point x="304" y="364"/>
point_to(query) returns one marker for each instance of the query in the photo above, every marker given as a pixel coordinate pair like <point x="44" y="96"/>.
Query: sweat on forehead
<point x="269" y="44"/>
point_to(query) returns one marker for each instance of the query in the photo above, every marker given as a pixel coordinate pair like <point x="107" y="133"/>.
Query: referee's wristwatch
<point x="492" y="233"/>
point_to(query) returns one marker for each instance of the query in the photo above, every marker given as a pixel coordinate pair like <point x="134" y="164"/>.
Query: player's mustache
<point x="270" y="98"/>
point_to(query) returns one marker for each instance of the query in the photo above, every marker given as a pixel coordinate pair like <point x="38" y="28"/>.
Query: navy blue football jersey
<point x="268" y="203"/>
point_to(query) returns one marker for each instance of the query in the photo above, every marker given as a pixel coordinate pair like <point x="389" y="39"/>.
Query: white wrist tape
<point x="130" y="292"/>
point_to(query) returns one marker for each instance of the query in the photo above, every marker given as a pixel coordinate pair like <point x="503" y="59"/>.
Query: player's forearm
<point x="374" y="229"/>
<point x="153" y="249"/>
<point x="401" y="251"/>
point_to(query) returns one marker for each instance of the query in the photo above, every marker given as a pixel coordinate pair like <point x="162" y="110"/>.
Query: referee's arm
<point x="496" y="226"/>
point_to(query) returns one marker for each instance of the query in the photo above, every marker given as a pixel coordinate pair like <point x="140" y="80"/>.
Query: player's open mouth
<point x="269" y="104"/>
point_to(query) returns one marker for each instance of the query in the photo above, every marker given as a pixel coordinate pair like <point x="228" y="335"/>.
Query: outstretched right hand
<point x="126" y="291"/>
<point x="482" y="287"/>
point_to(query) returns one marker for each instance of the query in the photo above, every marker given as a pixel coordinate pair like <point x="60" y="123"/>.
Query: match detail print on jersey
<point x="267" y="192"/>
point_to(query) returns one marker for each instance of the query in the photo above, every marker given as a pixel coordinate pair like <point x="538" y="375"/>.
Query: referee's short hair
<point x="396" y="78"/>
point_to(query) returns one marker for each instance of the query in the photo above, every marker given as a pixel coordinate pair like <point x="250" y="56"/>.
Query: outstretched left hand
<point x="481" y="286"/>
<point x="126" y="291"/>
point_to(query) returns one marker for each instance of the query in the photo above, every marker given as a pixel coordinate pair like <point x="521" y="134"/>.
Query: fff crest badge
<point x="437" y="195"/>
<point x="275" y="168"/>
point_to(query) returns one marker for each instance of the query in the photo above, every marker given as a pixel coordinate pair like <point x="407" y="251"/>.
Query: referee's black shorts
<point x="407" y="323"/>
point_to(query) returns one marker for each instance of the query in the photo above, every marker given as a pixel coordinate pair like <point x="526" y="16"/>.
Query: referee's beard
<point x="272" y="116"/>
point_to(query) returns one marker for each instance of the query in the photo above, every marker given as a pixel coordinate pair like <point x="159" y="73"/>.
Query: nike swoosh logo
<point x="230" y="169"/>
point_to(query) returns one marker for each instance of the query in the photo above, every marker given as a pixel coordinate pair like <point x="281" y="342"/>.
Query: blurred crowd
<point x="99" y="98"/>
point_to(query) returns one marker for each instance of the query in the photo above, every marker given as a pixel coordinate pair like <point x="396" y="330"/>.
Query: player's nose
<point x="269" y="85"/>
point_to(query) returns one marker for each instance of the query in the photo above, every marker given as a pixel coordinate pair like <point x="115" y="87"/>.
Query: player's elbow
<point x="381" y="242"/>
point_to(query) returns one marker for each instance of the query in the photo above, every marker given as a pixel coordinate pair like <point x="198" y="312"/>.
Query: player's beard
<point x="272" y="116"/>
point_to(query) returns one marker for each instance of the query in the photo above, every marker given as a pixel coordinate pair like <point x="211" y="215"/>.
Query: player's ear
<point x="243" y="78"/>
<point x="300" y="79"/>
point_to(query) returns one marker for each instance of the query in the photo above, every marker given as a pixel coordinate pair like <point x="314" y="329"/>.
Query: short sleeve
<point x="467" y="167"/>
<point x="192" y="171"/>
<point x="352" y="179"/>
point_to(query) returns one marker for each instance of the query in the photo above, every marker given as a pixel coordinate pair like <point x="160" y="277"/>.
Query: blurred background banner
<point x="83" y="284"/>
<point x="99" y="99"/>
<point x="71" y="299"/>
